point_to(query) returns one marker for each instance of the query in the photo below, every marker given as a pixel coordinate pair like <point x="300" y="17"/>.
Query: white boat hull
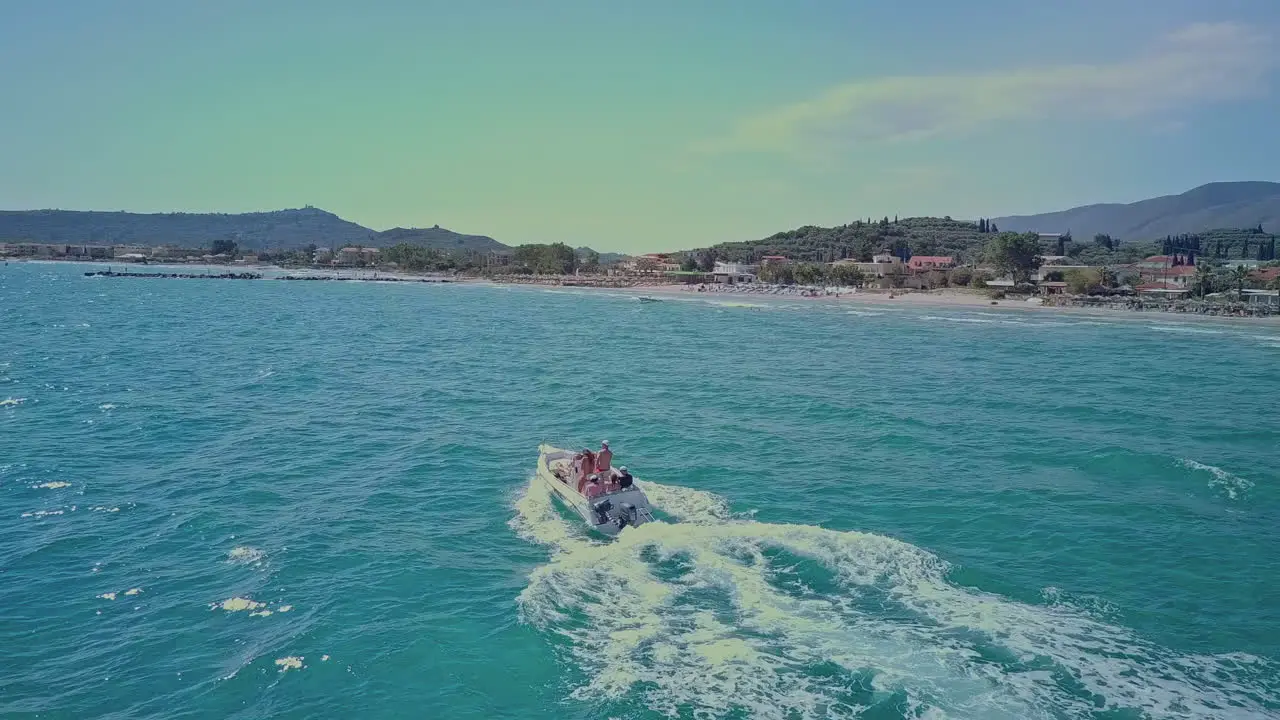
<point x="607" y="513"/>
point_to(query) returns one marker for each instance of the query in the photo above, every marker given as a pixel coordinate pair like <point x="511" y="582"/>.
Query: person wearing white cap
<point x="624" y="478"/>
<point x="604" y="458"/>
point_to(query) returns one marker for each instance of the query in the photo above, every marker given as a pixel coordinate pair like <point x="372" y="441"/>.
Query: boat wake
<point x="721" y="616"/>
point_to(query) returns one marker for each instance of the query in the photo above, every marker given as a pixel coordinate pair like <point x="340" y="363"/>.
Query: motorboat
<point x="607" y="512"/>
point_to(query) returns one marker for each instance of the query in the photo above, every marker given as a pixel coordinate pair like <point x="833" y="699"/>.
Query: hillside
<point x="436" y="238"/>
<point x="1216" y="205"/>
<point x="275" y="230"/>
<point x="258" y="231"/>
<point x="920" y="235"/>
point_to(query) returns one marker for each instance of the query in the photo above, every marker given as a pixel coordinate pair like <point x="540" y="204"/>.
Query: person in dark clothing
<point x="624" y="478"/>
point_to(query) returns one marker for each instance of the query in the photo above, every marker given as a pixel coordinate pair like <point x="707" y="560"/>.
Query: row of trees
<point x="550" y="259"/>
<point x="813" y="274"/>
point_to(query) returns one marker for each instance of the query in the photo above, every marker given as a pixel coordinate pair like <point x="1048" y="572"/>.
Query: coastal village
<point x="1179" y="280"/>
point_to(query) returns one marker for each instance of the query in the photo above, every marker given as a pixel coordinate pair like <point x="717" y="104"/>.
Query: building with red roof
<point x="920" y="263"/>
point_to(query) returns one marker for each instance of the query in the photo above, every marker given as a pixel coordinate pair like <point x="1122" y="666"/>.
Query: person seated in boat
<point x="623" y="479"/>
<point x="594" y="489"/>
<point x="604" y="458"/>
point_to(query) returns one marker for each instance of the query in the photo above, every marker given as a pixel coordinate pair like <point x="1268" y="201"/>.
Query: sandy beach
<point x="950" y="298"/>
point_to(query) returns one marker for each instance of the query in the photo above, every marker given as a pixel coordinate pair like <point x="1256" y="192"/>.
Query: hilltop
<point x="1216" y="205"/>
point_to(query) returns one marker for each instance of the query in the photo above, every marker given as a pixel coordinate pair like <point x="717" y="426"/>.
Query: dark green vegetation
<point x="967" y="242"/>
<point x="858" y="240"/>
<point x="1216" y="205"/>
<point x="437" y="238"/>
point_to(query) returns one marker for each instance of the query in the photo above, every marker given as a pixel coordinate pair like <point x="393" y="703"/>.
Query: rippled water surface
<point x="261" y="499"/>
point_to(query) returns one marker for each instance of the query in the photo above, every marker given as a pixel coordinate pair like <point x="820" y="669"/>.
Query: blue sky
<point x="631" y="127"/>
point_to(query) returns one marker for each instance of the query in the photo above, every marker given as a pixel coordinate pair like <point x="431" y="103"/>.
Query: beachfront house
<point x="732" y="273"/>
<point x="926" y="263"/>
<point x="357" y="256"/>
<point x="1261" y="297"/>
<point x="649" y="264"/>
<point x="774" y="260"/>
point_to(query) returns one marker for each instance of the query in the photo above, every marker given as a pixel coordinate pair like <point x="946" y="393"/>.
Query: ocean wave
<point x="952" y="318"/>
<point x="1184" y="329"/>
<point x="720" y="616"/>
<point x="1233" y="486"/>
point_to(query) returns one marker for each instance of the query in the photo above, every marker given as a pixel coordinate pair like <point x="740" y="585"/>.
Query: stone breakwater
<point x="259" y="276"/>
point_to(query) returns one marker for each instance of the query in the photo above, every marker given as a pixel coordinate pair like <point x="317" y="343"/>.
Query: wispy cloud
<point x="1199" y="64"/>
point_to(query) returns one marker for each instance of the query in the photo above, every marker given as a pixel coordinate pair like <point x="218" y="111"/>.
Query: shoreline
<point x="946" y="298"/>
<point x="973" y="300"/>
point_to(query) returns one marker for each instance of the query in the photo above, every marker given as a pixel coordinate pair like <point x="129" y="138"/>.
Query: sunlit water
<point x="261" y="499"/>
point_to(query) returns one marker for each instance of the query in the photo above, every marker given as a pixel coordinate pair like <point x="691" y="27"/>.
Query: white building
<point x="734" y="273"/>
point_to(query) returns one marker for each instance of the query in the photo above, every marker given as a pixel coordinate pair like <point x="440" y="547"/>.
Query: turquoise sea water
<point x="886" y="512"/>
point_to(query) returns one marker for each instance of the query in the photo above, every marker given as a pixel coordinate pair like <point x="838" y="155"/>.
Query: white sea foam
<point x="1233" y="486"/>
<point x="245" y="555"/>
<point x="293" y="662"/>
<point x="1184" y="329"/>
<point x="716" y="615"/>
<point x="863" y="313"/>
<point x="107" y="406"/>
<point x="237" y="604"/>
<point x="952" y="318"/>
<point x="12" y="402"/>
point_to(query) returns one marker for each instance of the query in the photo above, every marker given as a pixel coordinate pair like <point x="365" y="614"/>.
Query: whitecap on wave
<point x="245" y="555"/>
<point x="1233" y="486"/>
<point x="718" y="616"/>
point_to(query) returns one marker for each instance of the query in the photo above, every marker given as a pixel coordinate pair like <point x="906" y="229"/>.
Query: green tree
<point x="846" y="275"/>
<point x="553" y="259"/>
<point x="1107" y="278"/>
<point x="1079" y="282"/>
<point x="224" y="246"/>
<point x="961" y="276"/>
<point x="590" y="261"/>
<point x="809" y="273"/>
<point x="1203" y="281"/>
<point x="1240" y="276"/>
<point x="707" y="260"/>
<point x="778" y="274"/>
<point x="1016" y="255"/>
<point x="689" y="263"/>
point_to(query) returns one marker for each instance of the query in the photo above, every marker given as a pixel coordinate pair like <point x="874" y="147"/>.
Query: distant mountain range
<point x="1216" y="205"/>
<point x="279" y="229"/>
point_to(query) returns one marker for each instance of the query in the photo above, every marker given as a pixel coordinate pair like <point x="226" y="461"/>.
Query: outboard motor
<point x="629" y="514"/>
<point x="602" y="509"/>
